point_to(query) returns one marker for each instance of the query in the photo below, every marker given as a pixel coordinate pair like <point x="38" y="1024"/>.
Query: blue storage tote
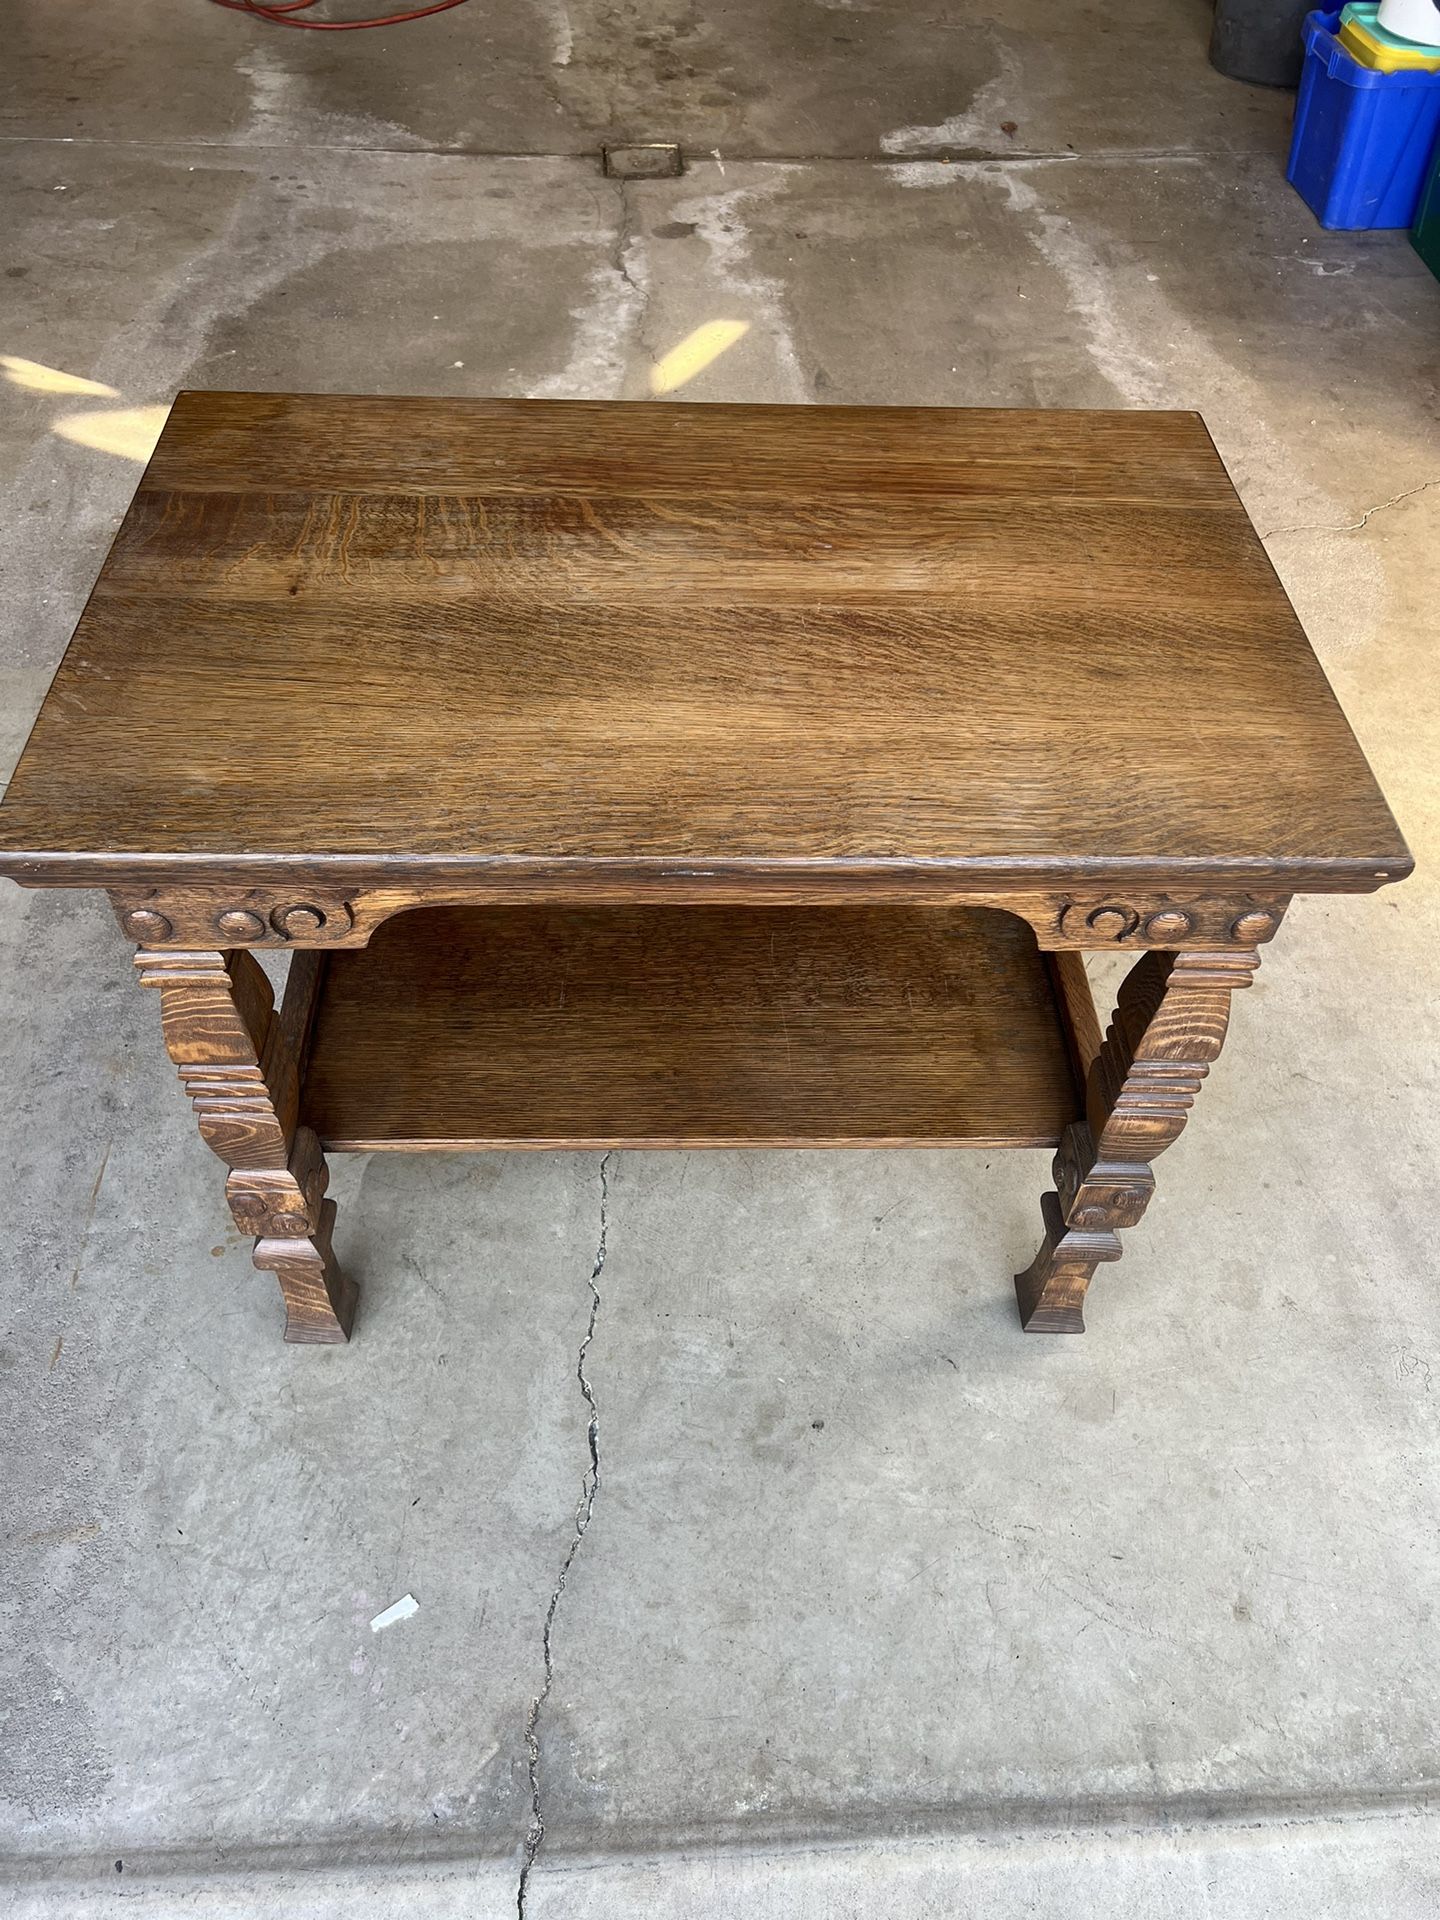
<point x="1363" y="138"/>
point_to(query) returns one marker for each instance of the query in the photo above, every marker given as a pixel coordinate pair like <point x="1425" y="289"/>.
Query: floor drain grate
<point x="655" y="160"/>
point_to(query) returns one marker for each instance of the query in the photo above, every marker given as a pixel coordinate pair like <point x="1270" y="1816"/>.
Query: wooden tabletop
<point x="372" y="637"/>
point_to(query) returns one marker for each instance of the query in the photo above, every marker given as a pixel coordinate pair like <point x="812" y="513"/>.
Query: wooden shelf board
<point x="477" y="1027"/>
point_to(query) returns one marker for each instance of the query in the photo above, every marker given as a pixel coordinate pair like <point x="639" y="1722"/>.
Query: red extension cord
<point x="280" y="13"/>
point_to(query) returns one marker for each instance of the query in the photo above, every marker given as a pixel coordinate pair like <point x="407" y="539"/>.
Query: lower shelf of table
<point x="475" y="1027"/>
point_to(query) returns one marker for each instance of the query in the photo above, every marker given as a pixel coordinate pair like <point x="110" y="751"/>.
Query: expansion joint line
<point x="585" y="1507"/>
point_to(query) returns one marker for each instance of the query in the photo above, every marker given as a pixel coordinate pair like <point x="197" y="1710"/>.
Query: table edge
<point x="699" y="874"/>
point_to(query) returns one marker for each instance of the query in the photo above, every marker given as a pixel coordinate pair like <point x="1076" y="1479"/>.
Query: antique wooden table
<point x="638" y="776"/>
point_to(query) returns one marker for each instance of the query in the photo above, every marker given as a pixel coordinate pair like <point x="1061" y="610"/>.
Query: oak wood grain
<point x="670" y="1026"/>
<point x="264" y="442"/>
<point x="411" y="638"/>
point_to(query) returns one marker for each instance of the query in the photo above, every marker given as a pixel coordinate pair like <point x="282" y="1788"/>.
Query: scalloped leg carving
<point x="241" y="1061"/>
<point x="1170" y="1019"/>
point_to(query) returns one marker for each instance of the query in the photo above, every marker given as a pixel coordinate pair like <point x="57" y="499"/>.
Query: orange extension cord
<point x="280" y="13"/>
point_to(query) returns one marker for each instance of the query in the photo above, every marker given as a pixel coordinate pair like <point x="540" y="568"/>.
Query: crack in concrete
<point x="627" y="241"/>
<point x="613" y="313"/>
<point x="589" y="1488"/>
<point x="624" y="236"/>
<point x="1354" y="526"/>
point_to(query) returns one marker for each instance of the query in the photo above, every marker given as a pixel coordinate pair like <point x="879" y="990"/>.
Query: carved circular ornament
<point x="295" y="922"/>
<point x="1112" y="922"/>
<point x="1256" y="925"/>
<point x="1172" y="923"/>
<point x="239" y="923"/>
<point x="144" y="923"/>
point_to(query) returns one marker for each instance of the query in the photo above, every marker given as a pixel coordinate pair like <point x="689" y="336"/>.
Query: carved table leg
<point x="1170" y="1019"/>
<point x="241" y="1063"/>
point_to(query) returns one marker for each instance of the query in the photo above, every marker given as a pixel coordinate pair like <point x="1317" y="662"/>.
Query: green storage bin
<point x="1425" y="234"/>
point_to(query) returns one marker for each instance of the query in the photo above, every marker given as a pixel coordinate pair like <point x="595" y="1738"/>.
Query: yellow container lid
<point x="1367" y="49"/>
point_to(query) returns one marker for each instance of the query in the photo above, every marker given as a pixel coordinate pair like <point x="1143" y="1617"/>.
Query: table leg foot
<point x="1051" y="1291"/>
<point x="319" y="1299"/>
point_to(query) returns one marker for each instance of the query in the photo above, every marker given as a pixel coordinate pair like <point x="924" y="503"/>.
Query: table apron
<point x="1079" y="918"/>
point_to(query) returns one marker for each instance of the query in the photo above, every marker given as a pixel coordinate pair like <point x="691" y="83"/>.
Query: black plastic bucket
<point x="1259" y="40"/>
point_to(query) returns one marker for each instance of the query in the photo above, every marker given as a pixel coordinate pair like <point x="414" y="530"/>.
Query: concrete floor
<point x="882" y="1607"/>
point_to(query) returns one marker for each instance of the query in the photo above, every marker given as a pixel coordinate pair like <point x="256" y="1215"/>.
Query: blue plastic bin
<point x="1363" y="138"/>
